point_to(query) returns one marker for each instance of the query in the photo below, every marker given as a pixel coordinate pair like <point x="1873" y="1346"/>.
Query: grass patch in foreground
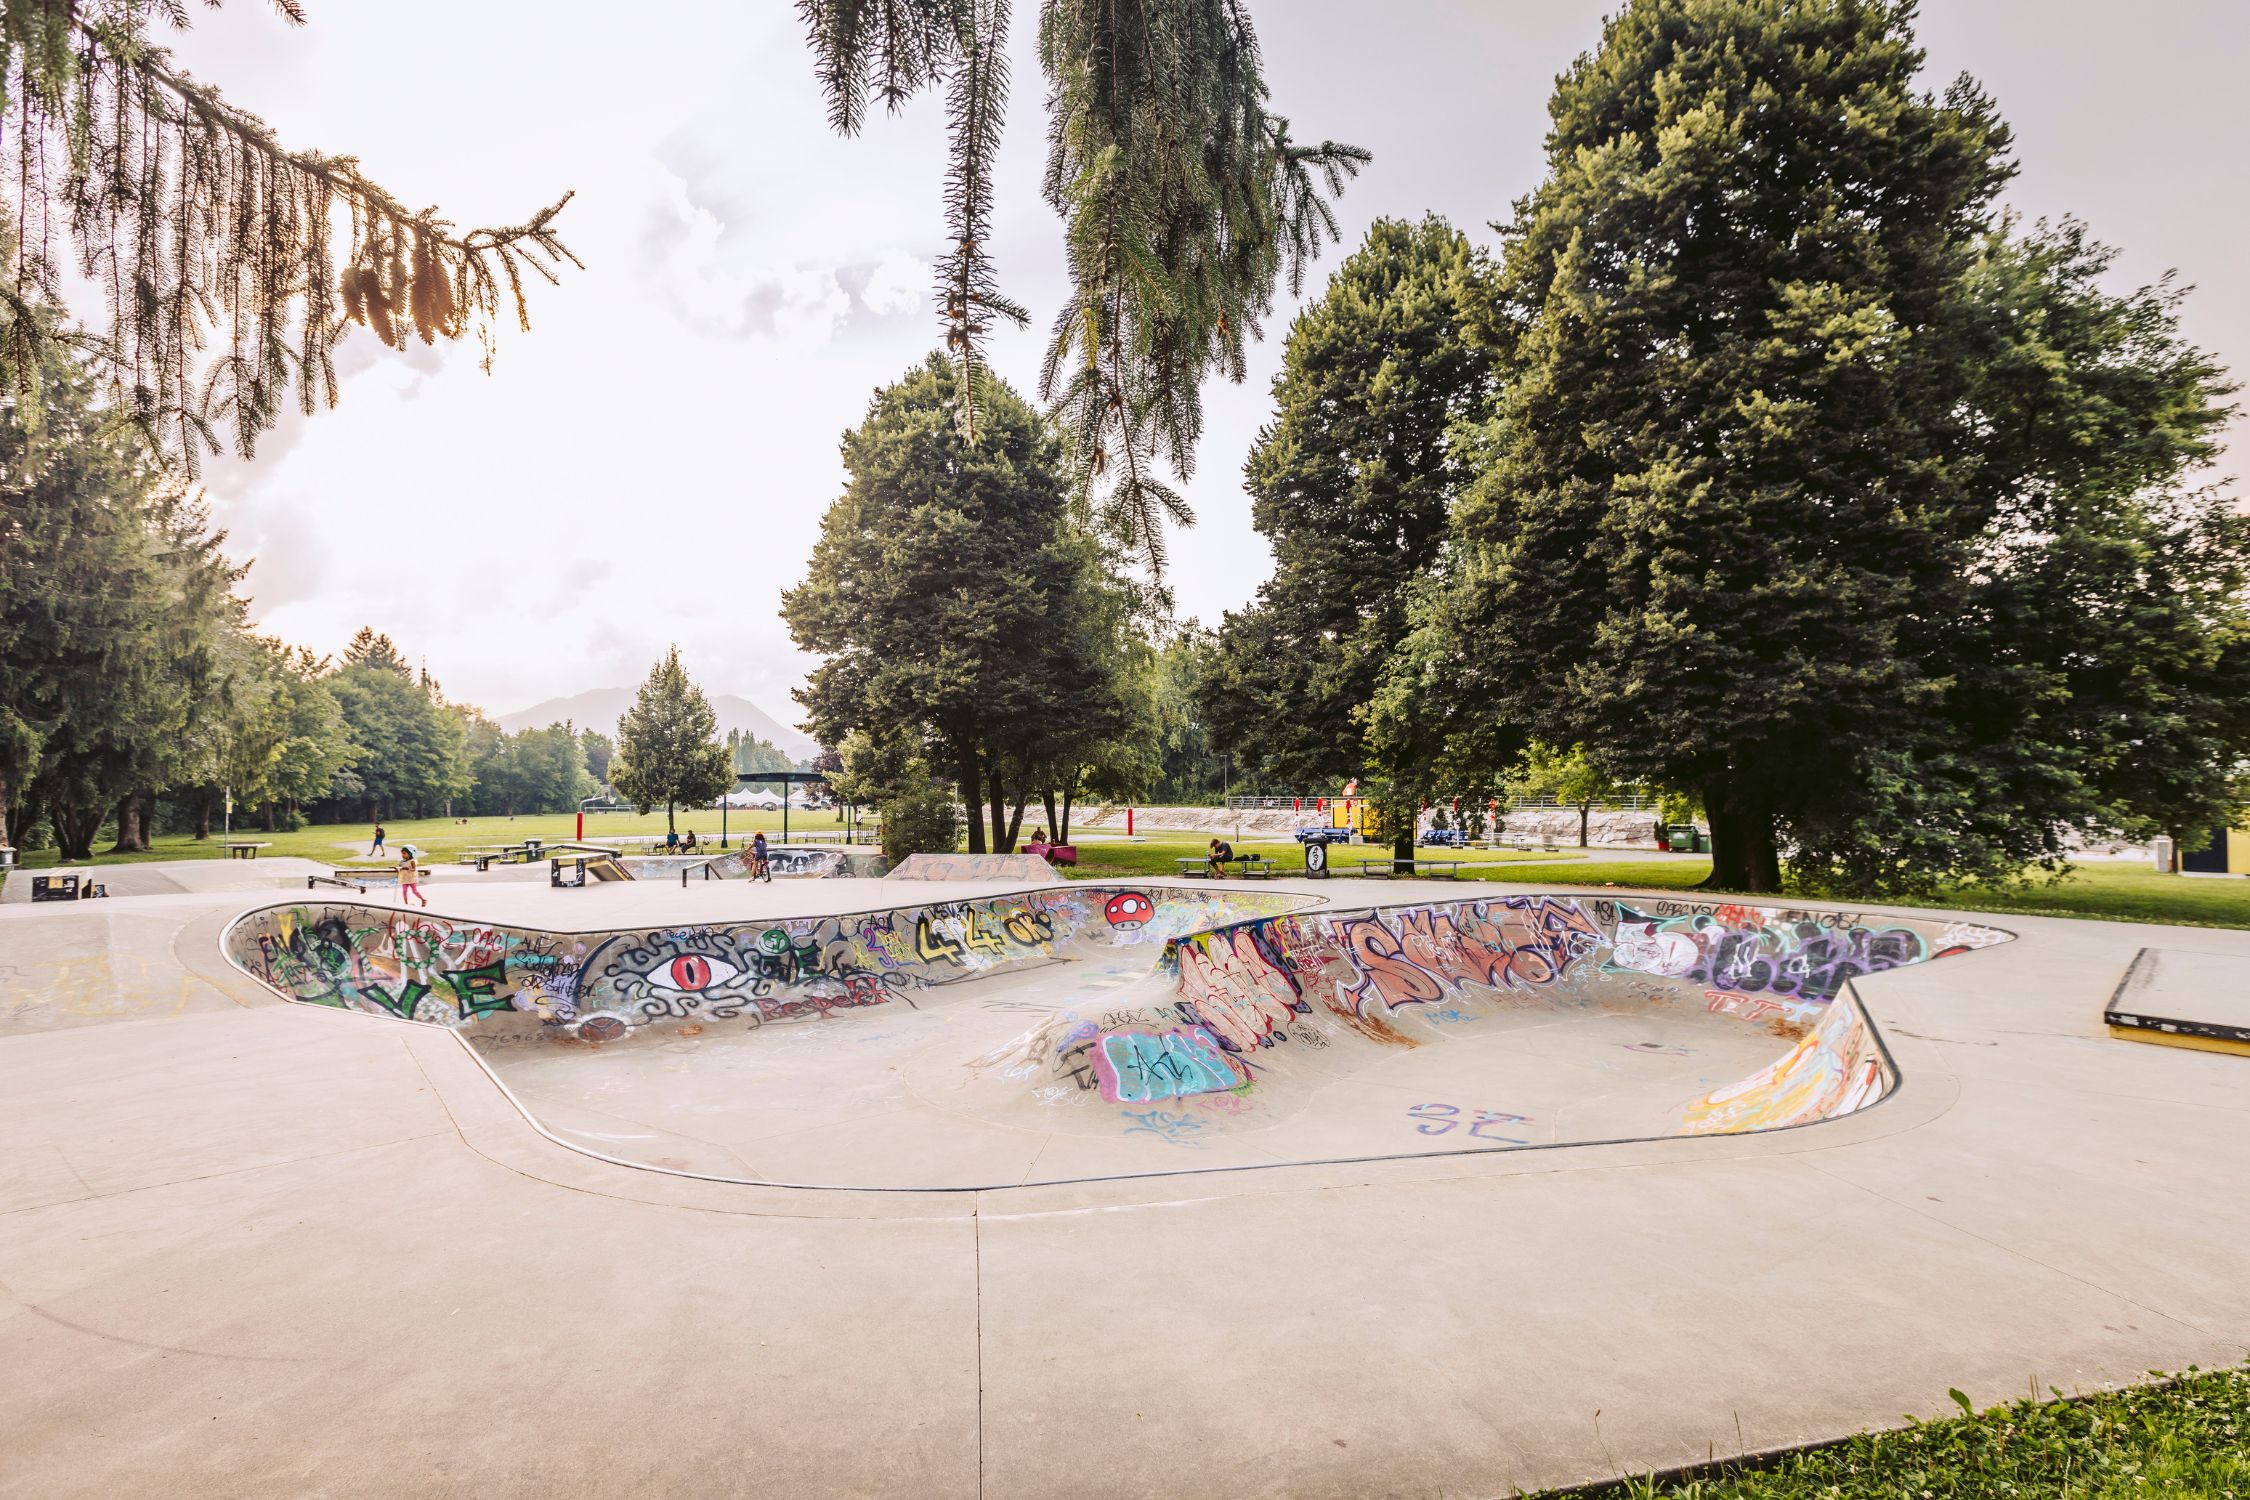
<point x="2188" y="1437"/>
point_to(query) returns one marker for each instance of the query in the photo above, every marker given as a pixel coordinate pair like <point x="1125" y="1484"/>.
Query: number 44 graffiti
<point x="1484" y="1124"/>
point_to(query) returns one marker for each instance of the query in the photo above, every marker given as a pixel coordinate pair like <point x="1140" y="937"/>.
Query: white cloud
<point x="898" y="283"/>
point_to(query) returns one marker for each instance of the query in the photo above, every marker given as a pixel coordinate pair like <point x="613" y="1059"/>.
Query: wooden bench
<point x="1248" y="866"/>
<point x="243" y="851"/>
<point x="1384" y="869"/>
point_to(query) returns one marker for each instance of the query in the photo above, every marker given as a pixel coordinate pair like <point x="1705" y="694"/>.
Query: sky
<point x="650" y="464"/>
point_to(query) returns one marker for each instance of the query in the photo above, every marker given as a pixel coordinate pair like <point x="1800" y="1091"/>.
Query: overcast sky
<point x="663" y="443"/>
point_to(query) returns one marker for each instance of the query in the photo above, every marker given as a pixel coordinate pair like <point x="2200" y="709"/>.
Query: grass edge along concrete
<point x="2185" y="1434"/>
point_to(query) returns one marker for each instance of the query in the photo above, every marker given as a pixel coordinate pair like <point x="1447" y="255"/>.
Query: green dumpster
<point x="1681" y="840"/>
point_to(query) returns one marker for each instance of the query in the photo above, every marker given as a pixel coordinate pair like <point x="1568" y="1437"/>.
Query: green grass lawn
<point x="447" y="838"/>
<point x="2188" y="1437"/>
<point x="2104" y="891"/>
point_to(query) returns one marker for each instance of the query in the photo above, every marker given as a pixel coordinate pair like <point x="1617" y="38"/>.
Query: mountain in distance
<point x="601" y="708"/>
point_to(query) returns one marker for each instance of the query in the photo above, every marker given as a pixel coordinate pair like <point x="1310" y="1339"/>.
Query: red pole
<point x="582" y="825"/>
<point x="1128" y="822"/>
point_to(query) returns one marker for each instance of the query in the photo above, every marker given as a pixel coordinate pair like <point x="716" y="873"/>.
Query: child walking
<point x="409" y="877"/>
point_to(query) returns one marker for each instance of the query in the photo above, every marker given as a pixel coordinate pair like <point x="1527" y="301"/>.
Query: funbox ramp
<point x="1089" y="1031"/>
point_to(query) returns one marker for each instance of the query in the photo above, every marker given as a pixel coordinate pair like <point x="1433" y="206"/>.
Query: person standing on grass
<point x="376" y="847"/>
<point x="409" y="877"/>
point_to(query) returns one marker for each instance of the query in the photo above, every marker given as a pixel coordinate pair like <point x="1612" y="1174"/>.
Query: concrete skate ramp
<point x="974" y="867"/>
<point x="1098" y="1031"/>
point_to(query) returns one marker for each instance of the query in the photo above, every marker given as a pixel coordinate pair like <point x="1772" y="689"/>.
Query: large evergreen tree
<point x="965" y="623"/>
<point x="668" y="746"/>
<point x="1765" y="520"/>
<point x="1352" y="482"/>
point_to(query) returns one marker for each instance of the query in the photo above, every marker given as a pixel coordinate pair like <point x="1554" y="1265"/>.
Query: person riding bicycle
<point x="760" y="868"/>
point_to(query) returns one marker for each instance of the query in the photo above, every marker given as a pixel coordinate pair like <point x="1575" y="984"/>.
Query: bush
<point x="920" y="819"/>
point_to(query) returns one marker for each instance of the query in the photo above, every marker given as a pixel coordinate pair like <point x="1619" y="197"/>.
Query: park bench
<point x="243" y="850"/>
<point x="1060" y="854"/>
<point x="1247" y="866"/>
<point x="1384" y="869"/>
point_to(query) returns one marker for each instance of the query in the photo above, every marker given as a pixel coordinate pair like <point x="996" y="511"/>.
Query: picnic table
<point x="1371" y="869"/>
<point x="243" y="850"/>
<point x="1252" y="866"/>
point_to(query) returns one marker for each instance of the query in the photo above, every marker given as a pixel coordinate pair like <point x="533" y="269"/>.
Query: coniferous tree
<point x="201" y="232"/>
<point x="668" y="746"/>
<point x="1352" y="482"/>
<point x="1183" y="196"/>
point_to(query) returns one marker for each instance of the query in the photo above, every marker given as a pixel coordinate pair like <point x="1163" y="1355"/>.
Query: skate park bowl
<point x="1095" y="1031"/>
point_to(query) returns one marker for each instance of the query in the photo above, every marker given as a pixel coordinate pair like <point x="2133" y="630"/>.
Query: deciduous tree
<point x="960" y="616"/>
<point x="1353" y="483"/>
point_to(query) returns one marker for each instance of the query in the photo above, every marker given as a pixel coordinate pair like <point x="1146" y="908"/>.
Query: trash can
<point x="1702" y="840"/>
<point x="1680" y="840"/>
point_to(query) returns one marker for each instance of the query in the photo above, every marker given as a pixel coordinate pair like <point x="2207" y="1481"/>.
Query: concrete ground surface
<point x="254" y="1248"/>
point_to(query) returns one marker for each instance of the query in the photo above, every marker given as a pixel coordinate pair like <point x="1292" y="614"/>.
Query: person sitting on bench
<point x="688" y="845"/>
<point x="672" y="841"/>
<point x="1221" y="852"/>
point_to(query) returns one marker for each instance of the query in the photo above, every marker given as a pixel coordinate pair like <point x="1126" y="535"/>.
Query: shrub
<point x="920" y="818"/>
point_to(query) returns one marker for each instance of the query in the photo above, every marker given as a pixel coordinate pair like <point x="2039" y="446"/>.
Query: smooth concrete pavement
<point x="253" y="1248"/>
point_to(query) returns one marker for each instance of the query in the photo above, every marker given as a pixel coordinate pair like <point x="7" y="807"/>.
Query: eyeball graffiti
<point x="692" y="973"/>
<point x="1129" y="911"/>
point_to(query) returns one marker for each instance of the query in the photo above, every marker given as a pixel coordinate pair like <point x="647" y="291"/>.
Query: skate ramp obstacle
<point x="1092" y="1031"/>
<point x="974" y="867"/>
<point x="2181" y="998"/>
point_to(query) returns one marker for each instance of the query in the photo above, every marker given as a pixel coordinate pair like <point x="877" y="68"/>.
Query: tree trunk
<point x="1054" y="824"/>
<point x="671" y="824"/>
<point x="75" y="829"/>
<point x="972" y="800"/>
<point x="1402" y="846"/>
<point x="7" y="815"/>
<point x="1062" y="834"/>
<point x="1001" y="843"/>
<point x="203" y="816"/>
<point x="1585" y="817"/>
<point x="267" y="814"/>
<point x="1745" y="855"/>
<point x="1015" y="822"/>
<point x="128" y="826"/>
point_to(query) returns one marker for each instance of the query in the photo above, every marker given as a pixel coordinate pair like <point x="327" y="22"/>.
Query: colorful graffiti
<point x="1259" y="983"/>
<point x="1746" y="950"/>
<point x="604" y="986"/>
<point x="1835" y="1069"/>
<point x="1132" y="1067"/>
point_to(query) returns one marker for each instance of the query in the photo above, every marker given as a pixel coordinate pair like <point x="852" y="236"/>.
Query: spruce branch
<point x="196" y="224"/>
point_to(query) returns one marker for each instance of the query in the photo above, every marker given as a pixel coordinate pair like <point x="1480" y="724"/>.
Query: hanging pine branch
<point x="215" y="248"/>
<point x="1183" y="201"/>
